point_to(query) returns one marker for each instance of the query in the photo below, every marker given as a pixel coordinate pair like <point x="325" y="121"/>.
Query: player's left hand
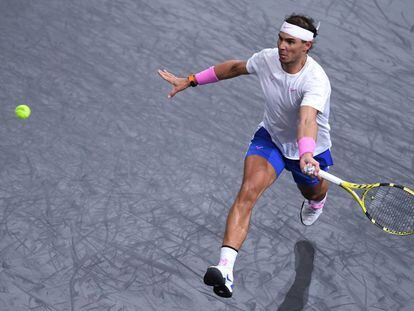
<point x="179" y="84"/>
<point x="307" y="160"/>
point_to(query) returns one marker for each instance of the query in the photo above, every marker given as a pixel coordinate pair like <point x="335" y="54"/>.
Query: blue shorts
<point x="262" y="145"/>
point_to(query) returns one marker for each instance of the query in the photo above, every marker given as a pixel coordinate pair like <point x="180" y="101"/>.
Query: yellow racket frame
<point x="350" y="187"/>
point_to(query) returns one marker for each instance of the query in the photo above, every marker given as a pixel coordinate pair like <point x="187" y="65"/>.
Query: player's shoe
<point x="311" y="211"/>
<point x="221" y="278"/>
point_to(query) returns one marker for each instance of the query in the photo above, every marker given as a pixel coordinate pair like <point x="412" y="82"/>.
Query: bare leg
<point x="316" y="192"/>
<point x="259" y="174"/>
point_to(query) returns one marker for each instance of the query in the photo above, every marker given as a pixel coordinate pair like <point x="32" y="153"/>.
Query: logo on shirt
<point x="291" y="90"/>
<point x="259" y="147"/>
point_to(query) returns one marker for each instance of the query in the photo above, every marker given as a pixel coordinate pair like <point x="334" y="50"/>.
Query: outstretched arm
<point x="227" y="70"/>
<point x="230" y="69"/>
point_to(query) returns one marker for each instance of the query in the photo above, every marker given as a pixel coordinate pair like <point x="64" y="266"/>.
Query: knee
<point x="249" y="192"/>
<point x="315" y="193"/>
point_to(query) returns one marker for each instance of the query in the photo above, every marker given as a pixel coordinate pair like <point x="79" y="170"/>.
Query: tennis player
<point x="294" y="133"/>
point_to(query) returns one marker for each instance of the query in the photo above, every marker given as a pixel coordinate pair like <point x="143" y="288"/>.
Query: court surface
<point x="113" y="197"/>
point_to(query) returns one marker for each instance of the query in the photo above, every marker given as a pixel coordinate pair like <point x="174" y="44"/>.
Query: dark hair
<point x="302" y="21"/>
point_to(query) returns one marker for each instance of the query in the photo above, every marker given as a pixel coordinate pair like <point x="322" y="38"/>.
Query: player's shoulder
<point x="271" y="52"/>
<point x="268" y="52"/>
<point x="316" y="70"/>
<point x="259" y="59"/>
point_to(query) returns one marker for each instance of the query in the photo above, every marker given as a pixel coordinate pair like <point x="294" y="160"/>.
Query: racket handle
<point x="330" y="177"/>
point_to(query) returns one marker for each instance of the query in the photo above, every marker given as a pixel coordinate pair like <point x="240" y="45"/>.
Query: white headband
<point x="297" y="32"/>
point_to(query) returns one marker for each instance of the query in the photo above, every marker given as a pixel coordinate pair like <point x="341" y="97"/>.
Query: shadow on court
<point x="297" y="296"/>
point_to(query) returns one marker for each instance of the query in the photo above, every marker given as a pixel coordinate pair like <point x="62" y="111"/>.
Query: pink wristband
<point x="306" y="144"/>
<point x="206" y="76"/>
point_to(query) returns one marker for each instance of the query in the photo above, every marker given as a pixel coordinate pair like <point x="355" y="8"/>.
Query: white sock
<point x="227" y="257"/>
<point x="318" y="204"/>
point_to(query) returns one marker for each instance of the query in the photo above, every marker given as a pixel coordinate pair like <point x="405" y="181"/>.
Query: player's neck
<point x="295" y="67"/>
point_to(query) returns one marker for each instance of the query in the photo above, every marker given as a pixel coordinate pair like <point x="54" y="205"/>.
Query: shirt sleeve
<point x="317" y="92"/>
<point x="253" y="63"/>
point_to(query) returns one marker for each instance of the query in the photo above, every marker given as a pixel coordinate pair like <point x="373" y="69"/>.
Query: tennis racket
<point x="387" y="205"/>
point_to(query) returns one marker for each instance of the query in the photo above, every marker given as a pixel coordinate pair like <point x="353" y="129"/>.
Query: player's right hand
<point x="179" y="84"/>
<point x="309" y="165"/>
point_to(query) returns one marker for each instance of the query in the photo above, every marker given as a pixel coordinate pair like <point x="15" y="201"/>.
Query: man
<point x="294" y="133"/>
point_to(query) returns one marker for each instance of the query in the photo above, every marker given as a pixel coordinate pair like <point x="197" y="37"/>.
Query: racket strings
<point x="392" y="207"/>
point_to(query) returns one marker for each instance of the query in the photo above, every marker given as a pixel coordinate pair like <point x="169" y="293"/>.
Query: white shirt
<point x="285" y="93"/>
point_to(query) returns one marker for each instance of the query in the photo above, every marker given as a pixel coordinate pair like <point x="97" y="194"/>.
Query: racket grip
<point x="309" y="169"/>
<point x="329" y="177"/>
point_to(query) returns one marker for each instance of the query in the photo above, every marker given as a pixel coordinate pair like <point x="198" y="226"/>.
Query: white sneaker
<point x="221" y="278"/>
<point x="308" y="213"/>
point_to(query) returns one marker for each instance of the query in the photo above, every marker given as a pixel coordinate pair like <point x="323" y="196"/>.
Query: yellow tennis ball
<point x="22" y="111"/>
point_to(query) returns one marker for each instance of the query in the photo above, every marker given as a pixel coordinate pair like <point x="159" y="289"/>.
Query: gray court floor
<point x="113" y="197"/>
